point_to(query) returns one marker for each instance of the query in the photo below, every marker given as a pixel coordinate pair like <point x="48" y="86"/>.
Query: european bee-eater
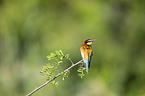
<point x="86" y="52"/>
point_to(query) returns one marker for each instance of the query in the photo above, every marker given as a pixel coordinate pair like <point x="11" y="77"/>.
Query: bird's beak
<point x="92" y="40"/>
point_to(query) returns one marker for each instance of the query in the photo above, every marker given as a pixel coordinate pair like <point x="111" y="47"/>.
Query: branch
<point x="53" y="78"/>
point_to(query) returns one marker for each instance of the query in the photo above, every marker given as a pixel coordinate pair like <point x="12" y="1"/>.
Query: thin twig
<point x="53" y="78"/>
<point x="71" y="61"/>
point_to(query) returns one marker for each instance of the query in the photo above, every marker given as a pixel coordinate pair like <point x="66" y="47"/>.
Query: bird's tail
<point x="87" y="67"/>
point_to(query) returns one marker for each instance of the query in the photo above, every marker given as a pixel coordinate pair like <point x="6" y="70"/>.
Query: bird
<point x="87" y="52"/>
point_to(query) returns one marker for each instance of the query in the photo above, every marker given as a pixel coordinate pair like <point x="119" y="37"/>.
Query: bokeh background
<point x="31" y="29"/>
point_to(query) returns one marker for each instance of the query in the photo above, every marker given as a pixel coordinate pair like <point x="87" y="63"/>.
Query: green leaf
<point x="65" y="75"/>
<point x="60" y="62"/>
<point x="48" y="56"/>
<point x="52" y="54"/>
<point x="67" y="56"/>
<point x="61" y="52"/>
<point x="57" y="52"/>
<point x="81" y="71"/>
<point x="49" y="66"/>
<point x="56" y="84"/>
<point x="52" y="82"/>
<point x="61" y="57"/>
<point x="81" y="75"/>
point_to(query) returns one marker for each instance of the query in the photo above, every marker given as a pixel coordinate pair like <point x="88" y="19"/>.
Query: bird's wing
<point x="83" y="53"/>
<point x="86" y="58"/>
<point x="90" y="53"/>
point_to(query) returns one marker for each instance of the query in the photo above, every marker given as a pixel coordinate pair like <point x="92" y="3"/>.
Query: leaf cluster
<point x="58" y="54"/>
<point x="81" y="70"/>
<point x="51" y="70"/>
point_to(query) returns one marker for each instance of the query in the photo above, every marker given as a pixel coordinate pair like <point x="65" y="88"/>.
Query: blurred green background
<point x="31" y="29"/>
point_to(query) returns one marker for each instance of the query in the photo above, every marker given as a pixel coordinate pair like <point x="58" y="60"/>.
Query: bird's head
<point x="89" y="42"/>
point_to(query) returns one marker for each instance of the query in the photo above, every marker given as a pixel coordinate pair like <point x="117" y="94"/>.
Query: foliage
<point x="52" y="69"/>
<point x="82" y="71"/>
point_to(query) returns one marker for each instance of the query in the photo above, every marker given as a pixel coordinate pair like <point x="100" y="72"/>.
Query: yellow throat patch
<point x="89" y="43"/>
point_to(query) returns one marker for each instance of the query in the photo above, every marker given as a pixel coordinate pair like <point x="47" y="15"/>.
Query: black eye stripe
<point x="88" y="41"/>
